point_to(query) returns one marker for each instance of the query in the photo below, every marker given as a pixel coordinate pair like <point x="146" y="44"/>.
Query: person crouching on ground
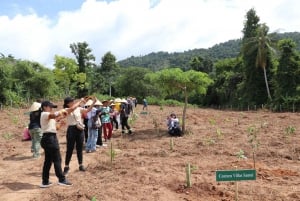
<point x="49" y="143"/>
<point x="75" y="135"/>
<point x="173" y="125"/>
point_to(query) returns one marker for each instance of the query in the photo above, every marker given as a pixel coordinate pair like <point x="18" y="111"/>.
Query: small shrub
<point x="241" y="154"/>
<point x="8" y="136"/>
<point x="289" y="130"/>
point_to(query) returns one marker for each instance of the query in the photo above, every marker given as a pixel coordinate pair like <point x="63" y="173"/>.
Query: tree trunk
<point x="184" y="110"/>
<point x="267" y="85"/>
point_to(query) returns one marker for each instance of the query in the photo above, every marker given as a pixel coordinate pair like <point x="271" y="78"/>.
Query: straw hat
<point x="98" y="102"/>
<point x="35" y="106"/>
<point x="124" y="101"/>
<point x="88" y="103"/>
<point x="118" y="100"/>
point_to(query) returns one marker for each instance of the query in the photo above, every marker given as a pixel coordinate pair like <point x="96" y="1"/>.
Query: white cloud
<point x="138" y="27"/>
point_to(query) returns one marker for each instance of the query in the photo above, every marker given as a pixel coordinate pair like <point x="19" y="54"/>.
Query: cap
<point x="48" y="104"/>
<point x="67" y="101"/>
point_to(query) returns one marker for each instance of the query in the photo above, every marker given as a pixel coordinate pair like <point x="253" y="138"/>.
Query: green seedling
<point x="212" y="121"/>
<point x="241" y="154"/>
<point x="209" y="141"/>
<point x="155" y="124"/>
<point x="132" y="118"/>
<point x="112" y="153"/>
<point x="171" y="144"/>
<point x="254" y="142"/>
<point x="264" y="124"/>
<point x="161" y="108"/>
<point x="13" y="118"/>
<point x="189" y="168"/>
<point x="8" y="136"/>
<point x="289" y="130"/>
<point x="219" y="133"/>
<point x="94" y="199"/>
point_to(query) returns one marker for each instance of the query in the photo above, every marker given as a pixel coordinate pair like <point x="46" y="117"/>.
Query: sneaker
<point x="82" y="168"/>
<point x="98" y="146"/>
<point x="45" y="185"/>
<point x="88" y="151"/>
<point x="104" y="145"/>
<point x="65" y="183"/>
<point x="66" y="171"/>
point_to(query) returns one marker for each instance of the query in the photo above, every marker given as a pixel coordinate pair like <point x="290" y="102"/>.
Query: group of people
<point x="85" y="120"/>
<point x="44" y="124"/>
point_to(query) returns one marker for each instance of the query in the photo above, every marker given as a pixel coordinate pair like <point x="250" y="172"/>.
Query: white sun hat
<point x="35" y="106"/>
<point x="88" y="103"/>
<point x="118" y="100"/>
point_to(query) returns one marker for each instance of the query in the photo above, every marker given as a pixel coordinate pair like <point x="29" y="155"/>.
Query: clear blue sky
<point x="41" y="7"/>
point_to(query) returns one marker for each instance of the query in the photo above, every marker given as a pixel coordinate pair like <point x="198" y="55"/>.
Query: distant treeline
<point x="261" y="68"/>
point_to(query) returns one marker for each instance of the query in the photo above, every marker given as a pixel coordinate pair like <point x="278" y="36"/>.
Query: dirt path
<point x="145" y="168"/>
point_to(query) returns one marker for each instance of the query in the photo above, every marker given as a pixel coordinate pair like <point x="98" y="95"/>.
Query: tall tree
<point x="287" y="74"/>
<point x="252" y="89"/>
<point x="66" y="74"/>
<point x="174" y="80"/>
<point x="85" y="60"/>
<point x="132" y="82"/>
<point x="109" y="69"/>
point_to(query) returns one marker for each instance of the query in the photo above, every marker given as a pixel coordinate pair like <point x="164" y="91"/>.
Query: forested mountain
<point x="230" y="49"/>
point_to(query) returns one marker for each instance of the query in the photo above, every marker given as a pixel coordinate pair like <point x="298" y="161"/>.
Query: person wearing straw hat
<point x="113" y="116"/>
<point x="34" y="127"/>
<point x="94" y="125"/>
<point x="117" y="107"/>
<point x="124" y="114"/>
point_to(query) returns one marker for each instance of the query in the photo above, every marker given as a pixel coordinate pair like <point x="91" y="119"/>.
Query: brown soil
<point x="146" y="169"/>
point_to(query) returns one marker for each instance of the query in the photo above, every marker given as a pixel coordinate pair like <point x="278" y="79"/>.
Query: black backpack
<point x="96" y="122"/>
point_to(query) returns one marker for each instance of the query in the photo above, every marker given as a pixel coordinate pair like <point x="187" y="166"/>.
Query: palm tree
<point x="262" y="43"/>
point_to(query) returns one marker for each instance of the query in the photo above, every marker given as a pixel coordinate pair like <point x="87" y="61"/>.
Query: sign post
<point x="235" y="175"/>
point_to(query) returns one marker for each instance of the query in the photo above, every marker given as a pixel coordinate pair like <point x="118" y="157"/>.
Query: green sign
<point x="235" y="175"/>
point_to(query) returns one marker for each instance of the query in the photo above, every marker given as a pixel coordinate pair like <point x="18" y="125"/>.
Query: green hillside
<point x="229" y="49"/>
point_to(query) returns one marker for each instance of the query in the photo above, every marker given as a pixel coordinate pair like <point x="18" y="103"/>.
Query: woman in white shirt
<point x="75" y="136"/>
<point x="49" y="142"/>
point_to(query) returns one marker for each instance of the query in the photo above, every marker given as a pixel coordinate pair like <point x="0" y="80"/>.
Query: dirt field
<point x="146" y="169"/>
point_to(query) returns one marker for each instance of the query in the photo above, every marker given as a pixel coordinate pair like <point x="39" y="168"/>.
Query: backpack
<point x="96" y="123"/>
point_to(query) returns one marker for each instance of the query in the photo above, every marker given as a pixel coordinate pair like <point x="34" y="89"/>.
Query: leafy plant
<point x="241" y="154"/>
<point x="254" y="142"/>
<point x="8" y="136"/>
<point x="94" y="199"/>
<point x="14" y="118"/>
<point x="289" y="130"/>
<point x="219" y="133"/>
<point x="212" y="121"/>
<point x="133" y="118"/>
<point x="209" y="141"/>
